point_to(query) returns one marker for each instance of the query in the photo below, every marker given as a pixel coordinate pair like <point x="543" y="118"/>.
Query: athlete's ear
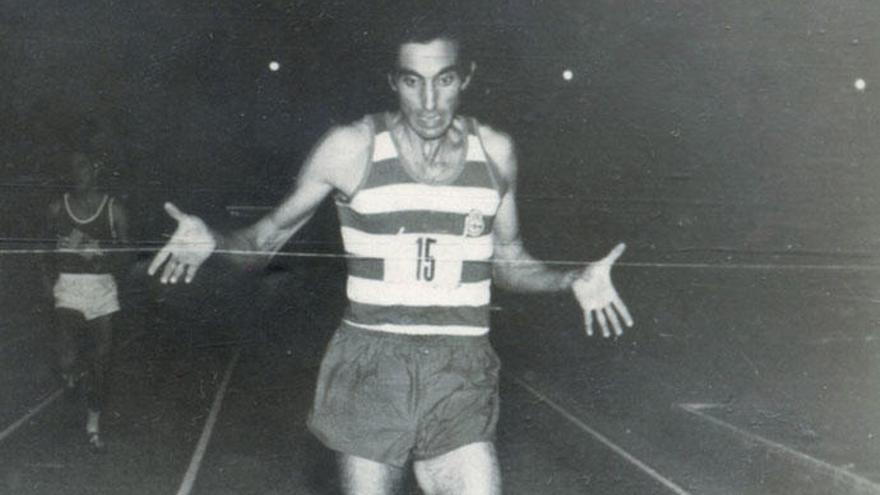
<point x="392" y="81"/>
<point x="469" y="76"/>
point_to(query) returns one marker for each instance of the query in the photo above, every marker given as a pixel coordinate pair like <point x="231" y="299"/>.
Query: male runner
<point x="83" y="223"/>
<point x="427" y="205"/>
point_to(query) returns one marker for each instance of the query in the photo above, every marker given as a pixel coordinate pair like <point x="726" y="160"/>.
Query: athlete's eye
<point x="448" y="79"/>
<point x="409" y="81"/>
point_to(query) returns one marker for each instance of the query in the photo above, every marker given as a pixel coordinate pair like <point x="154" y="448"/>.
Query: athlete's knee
<point x="102" y="350"/>
<point x="359" y="476"/>
<point x="468" y="470"/>
<point x="66" y="351"/>
<point x="66" y="361"/>
<point x="103" y="335"/>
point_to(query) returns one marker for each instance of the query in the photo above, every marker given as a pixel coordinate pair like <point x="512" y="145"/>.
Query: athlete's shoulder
<point x="500" y="149"/>
<point x="116" y="205"/>
<point x="355" y="137"/>
<point x="342" y="152"/>
<point x="55" y="207"/>
<point x="498" y="144"/>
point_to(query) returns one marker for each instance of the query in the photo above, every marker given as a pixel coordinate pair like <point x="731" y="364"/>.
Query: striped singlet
<point x="419" y="255"/>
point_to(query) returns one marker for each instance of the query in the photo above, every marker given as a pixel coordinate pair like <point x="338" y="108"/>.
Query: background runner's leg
<point x="67" y="327"/>
<point x="102" y="332"/>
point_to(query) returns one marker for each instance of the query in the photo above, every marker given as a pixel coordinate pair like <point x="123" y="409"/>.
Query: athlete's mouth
<point x="431" y="120"/>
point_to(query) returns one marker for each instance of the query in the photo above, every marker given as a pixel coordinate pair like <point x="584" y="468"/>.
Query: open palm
<point x="599" y="299"/>
<point x="189" y="247"/>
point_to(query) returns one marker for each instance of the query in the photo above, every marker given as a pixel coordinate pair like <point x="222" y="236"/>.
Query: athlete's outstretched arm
<point x="332" y="163"/>
<point x="515" y="269"/>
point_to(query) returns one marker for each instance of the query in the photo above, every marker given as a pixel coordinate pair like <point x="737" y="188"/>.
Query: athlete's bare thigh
<point x="468" y="470"/>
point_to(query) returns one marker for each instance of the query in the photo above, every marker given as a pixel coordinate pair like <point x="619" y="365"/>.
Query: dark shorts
<point x="390" y="398"/>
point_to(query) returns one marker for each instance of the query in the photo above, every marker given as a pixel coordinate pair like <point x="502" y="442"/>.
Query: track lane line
<point x="669" y="484"/>
<point x="192" y="472"/>
<point x="33" y="412"/>
<point x="50" y="399"/>
<point x="821" y="466"/>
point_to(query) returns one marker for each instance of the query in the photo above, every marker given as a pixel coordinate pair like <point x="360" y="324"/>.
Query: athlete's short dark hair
<point x="425" y="27"/>
<point x="79" y="158"/>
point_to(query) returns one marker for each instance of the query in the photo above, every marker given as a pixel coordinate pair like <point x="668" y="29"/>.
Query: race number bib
<point x="425" y="261"/>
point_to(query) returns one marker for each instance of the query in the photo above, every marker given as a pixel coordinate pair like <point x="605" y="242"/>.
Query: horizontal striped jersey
<point x="419" y="255"/>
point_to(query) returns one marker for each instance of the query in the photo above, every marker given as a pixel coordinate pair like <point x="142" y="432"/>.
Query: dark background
<point x="693" y="130"/>
<point x="725" y="142"/>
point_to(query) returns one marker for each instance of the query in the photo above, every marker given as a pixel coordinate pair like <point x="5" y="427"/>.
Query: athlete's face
<point x="84" y="173"/>
<point x="428" y="83"/>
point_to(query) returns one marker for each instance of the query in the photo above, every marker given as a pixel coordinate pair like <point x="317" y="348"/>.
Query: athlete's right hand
<point x="189" y="247"/>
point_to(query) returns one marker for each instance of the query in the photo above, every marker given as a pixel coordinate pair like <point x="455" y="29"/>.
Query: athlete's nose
<point x="429" y="96"/>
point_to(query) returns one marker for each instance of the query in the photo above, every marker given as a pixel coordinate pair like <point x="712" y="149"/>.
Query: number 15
<point x="425" y="262"/>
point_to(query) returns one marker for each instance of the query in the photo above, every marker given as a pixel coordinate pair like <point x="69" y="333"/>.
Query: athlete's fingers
<point x="588" y="322"/>
<point x="191" y="273"/>
<point x="174" y="211"/>
<point x="615" y="253"/>
<point x="621" y="308"/>
<point x="161" y="257"/>
<point x="168" y="270"/>
<point x="603" y="323"/>
<point x="173" y="273"/>
<point x="615" y="321"/>
<point x="179" y="271"/>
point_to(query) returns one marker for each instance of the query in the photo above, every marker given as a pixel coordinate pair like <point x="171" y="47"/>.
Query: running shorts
<point x="392" y="397"/>
<point x="92" y="294"/>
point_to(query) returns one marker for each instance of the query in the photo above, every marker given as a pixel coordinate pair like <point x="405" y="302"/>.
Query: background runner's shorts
<point x="390" y="397"/>
<point x="92" y="294"/>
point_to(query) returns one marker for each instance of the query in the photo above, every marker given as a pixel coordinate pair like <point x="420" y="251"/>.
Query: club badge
<point x="474" y="224"/>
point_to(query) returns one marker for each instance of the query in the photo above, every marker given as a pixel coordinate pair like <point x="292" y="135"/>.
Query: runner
<point x="84" y="222"/>
<point x="427" y="206"/>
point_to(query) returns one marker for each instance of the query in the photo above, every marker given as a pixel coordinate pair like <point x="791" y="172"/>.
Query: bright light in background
<point x="274" y="66"/>
<point x="860" y="84"/>
<point x="567" y="74"/>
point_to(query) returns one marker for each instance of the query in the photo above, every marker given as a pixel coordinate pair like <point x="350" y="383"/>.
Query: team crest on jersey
<point x="474" y="224"/>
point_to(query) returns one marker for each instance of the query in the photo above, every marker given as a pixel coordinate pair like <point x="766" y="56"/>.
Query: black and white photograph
<point x="439" y="247"/>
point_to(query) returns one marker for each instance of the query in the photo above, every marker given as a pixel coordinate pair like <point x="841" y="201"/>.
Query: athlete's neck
<point x="86" y="200"/>
<point x="431" y="159"/>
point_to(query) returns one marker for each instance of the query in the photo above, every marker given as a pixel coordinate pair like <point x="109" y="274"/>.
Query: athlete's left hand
<point x="598" y="297"/>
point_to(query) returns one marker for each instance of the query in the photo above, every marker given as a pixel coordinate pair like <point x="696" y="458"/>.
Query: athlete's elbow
<point x="502" y="277"/>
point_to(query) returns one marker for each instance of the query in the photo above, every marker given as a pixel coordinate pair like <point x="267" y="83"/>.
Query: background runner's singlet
<point x="420" y="254"/>
<point x="82" y="252"/>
